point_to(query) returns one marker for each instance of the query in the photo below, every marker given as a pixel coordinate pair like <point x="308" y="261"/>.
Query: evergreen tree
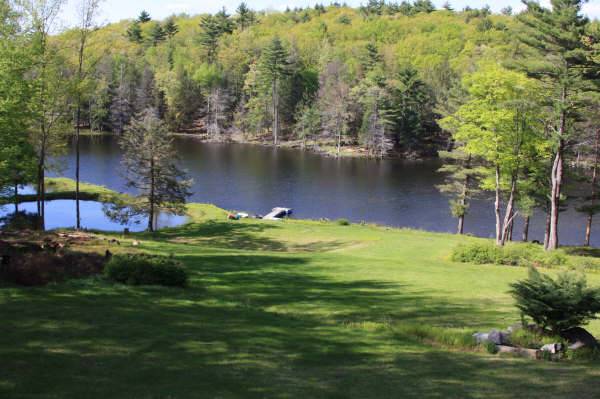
<point x="157" y="34"/>
<point x="134" y="32"/>
<point x="412" y="103"/>
<point x="556" y="38"/>
<point x="273" y="68"/>
<point x="144" y="17"/>
<point x="170" y="28"/>
<point x="461" y="179"/>
<point x="150" y="162"/>
<point x="213" y="27"/>
<point x="245" y="16"/>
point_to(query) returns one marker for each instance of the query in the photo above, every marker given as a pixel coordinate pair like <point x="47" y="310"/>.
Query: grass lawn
<point x="293" y="309"/>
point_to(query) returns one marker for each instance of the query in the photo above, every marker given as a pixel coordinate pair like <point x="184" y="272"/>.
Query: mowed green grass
<point x="295" y="309"/>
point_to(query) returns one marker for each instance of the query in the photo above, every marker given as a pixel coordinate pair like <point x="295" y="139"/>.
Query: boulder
<point x="480" y="337"/>
<point x="579" y="338"/>
<point x="498" y="337"/>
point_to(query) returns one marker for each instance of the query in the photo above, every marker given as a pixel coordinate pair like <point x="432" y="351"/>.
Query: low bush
<point x="528" y="338"/>
<point x="490" y="347"/>
<point x="584" y="354"/>
<point x="511" y="255"/>
<point x="343" y="222"/>
<point x="139" y="269"/>
<point x="556" y="305"/>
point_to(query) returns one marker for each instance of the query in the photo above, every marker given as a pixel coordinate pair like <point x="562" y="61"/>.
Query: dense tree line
<point x="372" y="78"/>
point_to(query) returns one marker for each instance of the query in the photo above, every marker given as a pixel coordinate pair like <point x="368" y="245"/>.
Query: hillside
<point x="208" y="74"/>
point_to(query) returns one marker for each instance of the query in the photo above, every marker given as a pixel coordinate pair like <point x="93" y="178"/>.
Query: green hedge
<point x="510" y="255"/>
<point x="146" y="270"/>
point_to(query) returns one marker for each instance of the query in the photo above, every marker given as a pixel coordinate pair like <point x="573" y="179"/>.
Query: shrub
<point x="556" y="304"/>
<point x="146" y="270"/>
<point x="490" y="347"/>
<point x="343" y="222"/>
<point x="511" y="255"/>
<point x="528" y="338"/>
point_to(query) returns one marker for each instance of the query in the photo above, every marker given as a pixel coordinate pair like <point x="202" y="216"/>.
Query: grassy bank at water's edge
<point x="279" y="309"/>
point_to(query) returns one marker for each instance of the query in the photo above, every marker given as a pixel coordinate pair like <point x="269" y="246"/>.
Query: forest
<point x="508" y="100"/>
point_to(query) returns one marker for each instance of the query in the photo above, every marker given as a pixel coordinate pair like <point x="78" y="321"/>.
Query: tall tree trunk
<point x="461" y="224"/>
<point x="509" y="214"/>
<point x="557" y="174"/>
<point x="547" y="231"/>
<point x="16" y="193"/>
<point x="588" y="227"/>
<point x="526" y="228"/>
<point x="77" y="164"/>
<point x="463" y="199"/>
<point x="152" y="183"/>
<point x="497" y="208"/>
<point x="275" y="113"/>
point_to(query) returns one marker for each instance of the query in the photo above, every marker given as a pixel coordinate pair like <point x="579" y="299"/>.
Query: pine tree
<point x="150" y="162"/>
<point x="461" y="179"/>
<point x="209" y="37"/>
<point x="157" y="34"/>
<point x="170" y="28"/>
<point x="274" y="67"/>
<point x="134" y="32"/>
<point x="555" y="36"/>
<point x="245" y="16"/>
<point x="144" y="17"/>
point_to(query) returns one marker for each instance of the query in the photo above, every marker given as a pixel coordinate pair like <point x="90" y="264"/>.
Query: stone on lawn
<point x="480" y="337"/>
<point x="498" y="337"/>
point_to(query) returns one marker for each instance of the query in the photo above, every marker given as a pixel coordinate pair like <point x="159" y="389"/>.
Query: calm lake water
<point x="255" y="179"/>
<point x="61" y="214"/>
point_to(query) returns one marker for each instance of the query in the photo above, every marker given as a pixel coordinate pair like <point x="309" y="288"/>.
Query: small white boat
<point x="278" y="214"/>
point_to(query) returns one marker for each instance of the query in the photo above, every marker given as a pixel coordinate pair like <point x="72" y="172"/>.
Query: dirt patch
<point x="37" y="259"/>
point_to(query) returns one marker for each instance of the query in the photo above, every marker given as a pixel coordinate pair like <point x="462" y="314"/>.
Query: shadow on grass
<point x="583" y="251"/>
<point x="250" y="327"/>
<point x="247" y="236"/>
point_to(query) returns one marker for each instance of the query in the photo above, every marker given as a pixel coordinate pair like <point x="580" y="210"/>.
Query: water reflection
<point x="61" y="214"/>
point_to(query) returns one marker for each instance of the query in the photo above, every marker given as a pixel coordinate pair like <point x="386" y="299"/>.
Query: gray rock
<point x="480" y="337"/>
<point x="579" y="338"/>
<point x="498" y="337"/>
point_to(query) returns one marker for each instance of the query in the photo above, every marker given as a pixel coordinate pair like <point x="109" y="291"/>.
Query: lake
<point x="255" y="179"/>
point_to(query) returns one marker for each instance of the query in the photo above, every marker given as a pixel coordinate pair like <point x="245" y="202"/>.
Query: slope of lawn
<point x="293" y="309"/>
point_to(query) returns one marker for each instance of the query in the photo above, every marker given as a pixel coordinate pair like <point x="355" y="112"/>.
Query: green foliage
<point x="510" y="255"/>
<point x="490" y="347"/>
<point x="150" y="165"/>
<point x="144" y="17"/>
<point x="157" y="34"/>
<point x="532" y="339"/>
<point x="146" y="270"/>
<point x="557" y="304"/>
<point x="134" y="32"/>
<point x="343" y="222"/>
